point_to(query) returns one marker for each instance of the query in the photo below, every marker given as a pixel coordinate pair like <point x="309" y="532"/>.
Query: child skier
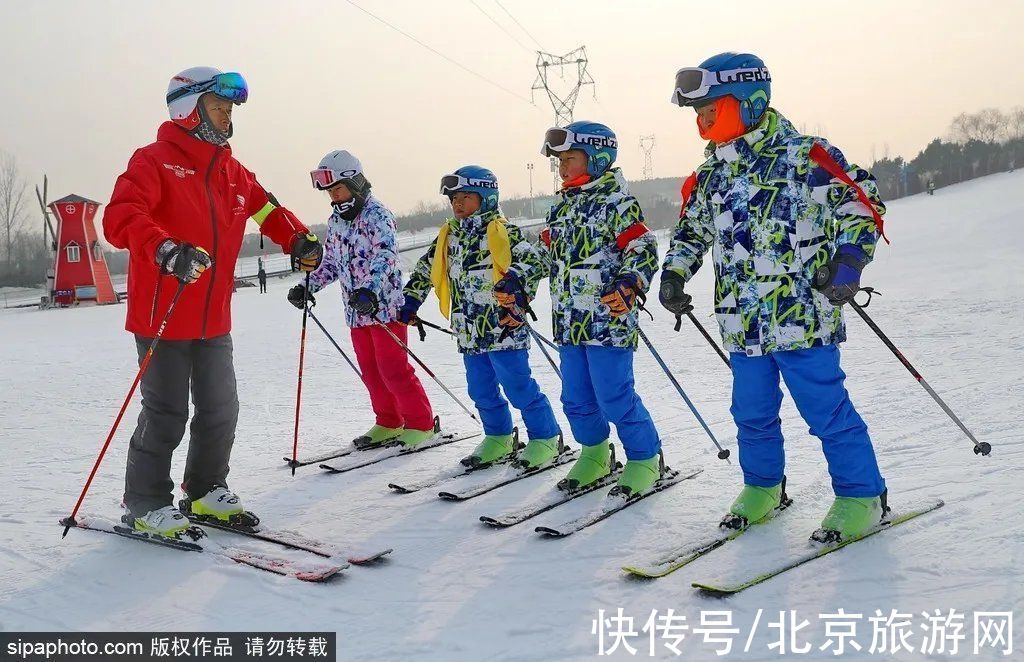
<point x="602" y="257"/>
<point x="777" y="207"/>
<point x="361" y="253"/>
<point x="180" y="209"/>
<point x="472" y="251"/>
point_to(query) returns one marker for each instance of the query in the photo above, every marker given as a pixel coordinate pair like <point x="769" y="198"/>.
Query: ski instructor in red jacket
<point x="181" y="209"/>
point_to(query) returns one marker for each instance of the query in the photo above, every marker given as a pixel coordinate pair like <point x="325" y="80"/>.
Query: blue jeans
<point x="511" y="370"/>
<point x="815" y="381"/>
<point x="597" y="387"/>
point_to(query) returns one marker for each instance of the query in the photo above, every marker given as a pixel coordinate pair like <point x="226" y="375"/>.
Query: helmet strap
<point x="206" y="131"/>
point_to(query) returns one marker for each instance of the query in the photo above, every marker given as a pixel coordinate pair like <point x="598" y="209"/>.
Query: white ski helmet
<point x="185" y="88"/>
<point x="340" y="167"/>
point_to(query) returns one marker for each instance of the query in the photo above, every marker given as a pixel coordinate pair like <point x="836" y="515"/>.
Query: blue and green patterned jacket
<point x="772" y="216"/>
<point x="474" y="311"/>
<point x="596" y="234"/>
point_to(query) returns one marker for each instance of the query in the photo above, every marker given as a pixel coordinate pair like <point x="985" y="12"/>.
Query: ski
<point x="819" y="551"/>
<point x="397" y="450"/>
<point x="289" y="539"/>
<point x="510" y="475"/>
<point x="310" y="572"/>
<point x="683" y="555"/>
<point x="615" y="503"/>
<point x="553" y="499"/>
<point x="322" y="458"/>
<point x="459" y="471"/>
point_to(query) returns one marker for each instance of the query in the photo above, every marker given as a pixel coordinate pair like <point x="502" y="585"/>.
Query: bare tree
<point x="1015" y="125"/>
<point x="12" y="199"/>
<point x="991" y="125"/>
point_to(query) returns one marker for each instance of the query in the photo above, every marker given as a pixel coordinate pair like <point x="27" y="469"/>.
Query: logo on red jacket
<point x="240" y="207"/>
<point x="179" y="171"/>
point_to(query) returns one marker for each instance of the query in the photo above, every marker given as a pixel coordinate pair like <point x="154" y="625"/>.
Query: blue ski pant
<point x="598" y="388"/>
<point x="509" y="369"/>
<point x="815" y="381"/>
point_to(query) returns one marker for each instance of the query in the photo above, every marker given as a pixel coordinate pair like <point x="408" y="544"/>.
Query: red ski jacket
<point x="185" y="189"/>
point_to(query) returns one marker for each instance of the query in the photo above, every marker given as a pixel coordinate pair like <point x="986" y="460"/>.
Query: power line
<point x="498" y="2"/>
<point x="501" y="27"/>
<point x="440" y="54"/>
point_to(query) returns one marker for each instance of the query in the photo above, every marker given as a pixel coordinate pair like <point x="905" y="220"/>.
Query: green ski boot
<point x="594" y="463"/>
<point x="494" y="448"/>
<point x="851" y="517"/>
<point x="754" y="505"/>
<point x="166" y="522"/>
<point x="412" y="438"/>
<point x="376" y="436"/>
<point x="638" y="476"/>
<point x="539" y="452"/>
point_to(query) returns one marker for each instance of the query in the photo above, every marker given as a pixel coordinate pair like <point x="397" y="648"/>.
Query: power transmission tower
<point x="647" y="147"/>
<point x="563" y="101"/>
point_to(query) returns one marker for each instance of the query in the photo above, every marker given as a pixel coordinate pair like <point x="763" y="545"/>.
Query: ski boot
<point x="851" y="517"/>
<point x="411" y="438"/>
<point x="754" y="505"/>
<point x="594" y="463"/>
<point x="376" y="436"/>
<point x="219" y="505"/>
<point x="638" y="476"/>
<point x="494" y="448"/>
<point x="539" y="452"/>
<point x="166" y="522"/>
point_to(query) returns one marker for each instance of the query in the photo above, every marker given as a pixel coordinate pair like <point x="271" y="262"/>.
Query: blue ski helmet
<point x="473" y="179"/>
<point x="741" y="75"/>
<point x="593" y="138"/>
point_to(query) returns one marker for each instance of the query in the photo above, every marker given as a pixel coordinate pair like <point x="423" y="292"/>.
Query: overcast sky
<point x="84" y="82"/>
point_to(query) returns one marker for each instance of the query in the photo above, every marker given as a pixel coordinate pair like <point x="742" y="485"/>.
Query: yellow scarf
<point x="501" y="259"/>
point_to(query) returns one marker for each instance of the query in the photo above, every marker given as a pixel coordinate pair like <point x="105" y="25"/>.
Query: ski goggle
<point x="694" y="83"/>
<point x="230" y="86"/>
<point x="325" y="178"/>
<point x="453" y="183"/>
<point x="560" y="140"/>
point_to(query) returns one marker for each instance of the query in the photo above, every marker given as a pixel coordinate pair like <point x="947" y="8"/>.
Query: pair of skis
<point x="679" y="557"/>
<point x="195" y="540"/>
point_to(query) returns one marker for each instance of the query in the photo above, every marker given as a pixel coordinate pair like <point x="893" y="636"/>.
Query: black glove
<point x="297" y="294"/>
<point x="509" y="292"/>
<point x="183" y="261"/>
<point x="364" y="302"/>
<point x="307" y="252"/>
<point x="671" y="294"/>
<point x="839" y="280"/>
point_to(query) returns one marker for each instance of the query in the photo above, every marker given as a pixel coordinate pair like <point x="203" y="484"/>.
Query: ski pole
<point x="425" y="368"/>
<point x="336" y="346"/>
<point x="703" y="332"/>
<point x="436" y="327"/>
<point x="723" y="453"/>
<point x="980" y="447"/>
<point x="298" y="387"/>
<point x="69" y="521"/>
<point x="541" y="341"/>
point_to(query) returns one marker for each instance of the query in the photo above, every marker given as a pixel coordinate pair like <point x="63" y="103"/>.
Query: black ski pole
<point x="541" y="341"/>
<point x="723" y="453"/>
<point x="336" y="345"/>
<point x="980" y="447"/>
<point x="703" y="332"/>
<point x="298" y="386"/>
<point x="436" y="327"/>
<point x="425" y="368"/>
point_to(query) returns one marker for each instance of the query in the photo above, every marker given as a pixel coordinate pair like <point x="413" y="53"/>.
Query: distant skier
<point x="777" y="206"/>
<point x="180" y="209"/>
<point x="261" y="275"/>
<point x="931" y="187"/>
<point x="602" y="257"/>
<point x="476" y="257"/>
<point x="362" y="256"/>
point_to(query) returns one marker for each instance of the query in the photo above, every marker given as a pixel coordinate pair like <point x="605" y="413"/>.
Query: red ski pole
<point x="69" y="521"/>
<point x="298" y="389"/>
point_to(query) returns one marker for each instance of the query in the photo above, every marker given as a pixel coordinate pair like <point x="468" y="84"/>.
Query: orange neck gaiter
<point x="728" y="124"/>
<point x="577" y="181"/>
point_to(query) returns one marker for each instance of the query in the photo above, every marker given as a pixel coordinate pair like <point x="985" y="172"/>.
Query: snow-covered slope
<point x="952" y="285"/>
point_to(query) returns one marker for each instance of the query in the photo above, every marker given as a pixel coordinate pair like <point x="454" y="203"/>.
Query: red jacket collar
<point x="198" y="149"/>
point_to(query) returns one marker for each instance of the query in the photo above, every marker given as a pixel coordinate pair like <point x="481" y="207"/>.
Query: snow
<point x="456" y="590"/>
